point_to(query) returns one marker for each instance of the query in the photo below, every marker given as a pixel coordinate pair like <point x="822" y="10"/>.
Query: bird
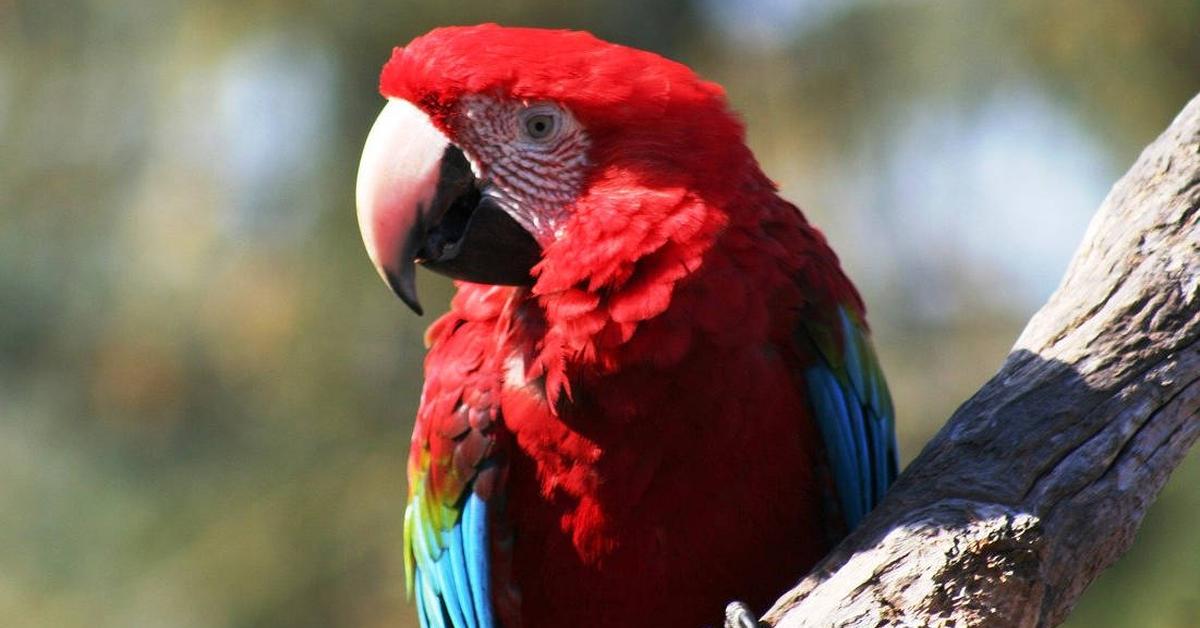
<point x="655" y="390"/>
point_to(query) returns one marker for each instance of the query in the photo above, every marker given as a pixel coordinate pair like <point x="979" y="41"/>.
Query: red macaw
<point x="654" y="391"/>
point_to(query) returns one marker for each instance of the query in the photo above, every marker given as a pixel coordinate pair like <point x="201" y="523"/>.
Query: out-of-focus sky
<point x="206" y="394"/>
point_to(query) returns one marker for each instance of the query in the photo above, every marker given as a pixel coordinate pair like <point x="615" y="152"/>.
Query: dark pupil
<point x="539" y="126"/>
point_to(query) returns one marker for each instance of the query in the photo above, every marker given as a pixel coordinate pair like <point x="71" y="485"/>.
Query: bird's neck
<point x="634" y="299"/>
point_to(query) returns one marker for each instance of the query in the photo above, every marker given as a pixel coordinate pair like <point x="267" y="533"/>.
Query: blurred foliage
<point x="206" y="394"/>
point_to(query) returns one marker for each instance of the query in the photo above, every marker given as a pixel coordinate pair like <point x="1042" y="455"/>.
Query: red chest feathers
<point x="662" y="492"/>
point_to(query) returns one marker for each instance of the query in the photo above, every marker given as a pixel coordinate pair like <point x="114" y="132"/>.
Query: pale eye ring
<point x="540" y="125"/>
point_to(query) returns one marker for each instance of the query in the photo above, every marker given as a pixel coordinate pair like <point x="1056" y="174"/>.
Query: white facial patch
<point x="533" y="178"/>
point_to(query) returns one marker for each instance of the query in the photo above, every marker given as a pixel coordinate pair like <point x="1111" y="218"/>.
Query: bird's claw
<point x="738" y="615"/>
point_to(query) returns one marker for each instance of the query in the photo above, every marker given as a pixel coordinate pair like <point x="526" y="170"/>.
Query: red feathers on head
<point x="634" y="100"/>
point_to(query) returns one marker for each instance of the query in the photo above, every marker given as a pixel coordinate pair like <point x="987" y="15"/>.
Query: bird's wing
<point x="455" y="480"/>
<point x="853" y="410"/>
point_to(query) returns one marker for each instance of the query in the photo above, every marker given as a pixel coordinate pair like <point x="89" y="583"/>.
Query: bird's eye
<point x="540" y="126"/>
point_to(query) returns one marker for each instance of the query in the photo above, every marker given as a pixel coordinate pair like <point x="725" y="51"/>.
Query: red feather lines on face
<point x="535" y="180"/>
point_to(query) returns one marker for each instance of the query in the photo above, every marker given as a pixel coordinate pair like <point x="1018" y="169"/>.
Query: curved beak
<point x="418" y="202"/>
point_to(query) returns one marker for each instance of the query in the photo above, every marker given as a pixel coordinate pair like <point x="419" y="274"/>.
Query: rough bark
<point x="1040" y="480"/>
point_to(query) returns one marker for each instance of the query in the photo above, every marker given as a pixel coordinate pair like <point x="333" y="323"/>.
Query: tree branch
<point x="1040" y="480"/>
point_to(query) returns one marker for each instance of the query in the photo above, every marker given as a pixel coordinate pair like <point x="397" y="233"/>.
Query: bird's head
<point x="517" y="156"/>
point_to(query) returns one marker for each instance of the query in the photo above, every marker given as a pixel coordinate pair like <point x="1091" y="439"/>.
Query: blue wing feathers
<point x="854" y="414"/>
<point x="475" y="528"/>
<point x="862" y="456"/>
<point x="451" y="582"/>
<point x="419" y="587"/>
<point x="462" y="579"/>
<point x="429" y="605"/>
<point x="833" y="421"/>
<point x="446" y="570"/>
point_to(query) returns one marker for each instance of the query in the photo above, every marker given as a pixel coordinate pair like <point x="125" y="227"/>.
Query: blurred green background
<point x="206" y="393"/>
